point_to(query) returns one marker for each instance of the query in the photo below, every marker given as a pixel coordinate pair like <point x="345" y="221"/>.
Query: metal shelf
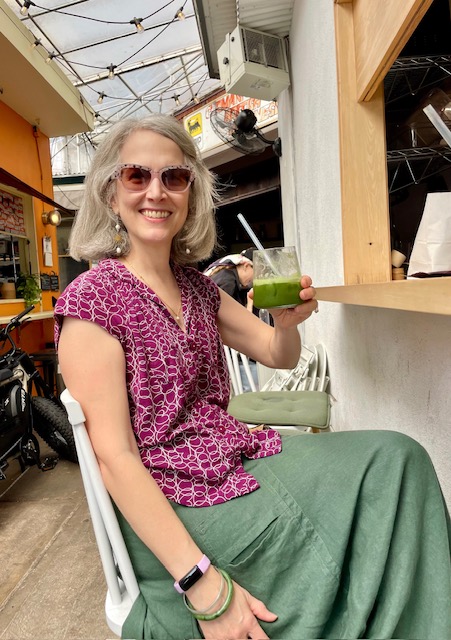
<point x="411" y="166"/>
<point x="410" y="75"/>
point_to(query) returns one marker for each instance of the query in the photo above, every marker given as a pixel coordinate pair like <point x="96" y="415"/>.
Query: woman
<point x="341" y="535"/>
<point x="234" y="274"/>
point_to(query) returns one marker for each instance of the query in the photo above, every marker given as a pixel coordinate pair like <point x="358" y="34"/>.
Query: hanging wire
<point x="196" y="99"/>
<point x="103" y="68"/>
<point x="128" y="104"/>
<point x="178" y="73"/>
<point x="61" y="57"/>
<point x="27" y="4"/>
<point x="152" y="39"/>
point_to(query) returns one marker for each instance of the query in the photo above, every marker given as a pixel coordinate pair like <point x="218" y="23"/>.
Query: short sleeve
<point x="89" y="298"/>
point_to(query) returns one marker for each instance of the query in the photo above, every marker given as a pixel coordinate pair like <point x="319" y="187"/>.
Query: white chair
<point x="233" y="363"/>
<point x="123" y="590"/>
<point x="291" y="400"/>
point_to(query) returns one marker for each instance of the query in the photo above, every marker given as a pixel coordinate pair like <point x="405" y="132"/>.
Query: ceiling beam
<point x="140" y="65"/>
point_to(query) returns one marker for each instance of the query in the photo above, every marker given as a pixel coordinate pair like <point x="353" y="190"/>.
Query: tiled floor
<point x="51" y="582"/>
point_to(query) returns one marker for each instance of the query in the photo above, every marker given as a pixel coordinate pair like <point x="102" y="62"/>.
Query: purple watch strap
<point x="193" y="575"/>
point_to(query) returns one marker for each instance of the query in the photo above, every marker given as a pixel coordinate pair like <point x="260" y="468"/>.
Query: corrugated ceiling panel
<point x="220" y="18"/>
<point x="266" y="15"/>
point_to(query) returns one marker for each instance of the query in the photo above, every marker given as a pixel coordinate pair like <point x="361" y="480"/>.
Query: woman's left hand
<point x="287" y="318"/>
<point x="276" y="347"/>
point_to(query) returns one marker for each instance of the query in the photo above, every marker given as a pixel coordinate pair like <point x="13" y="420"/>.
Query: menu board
<point x="45" y="282"/>
<point x="50" y="282"/>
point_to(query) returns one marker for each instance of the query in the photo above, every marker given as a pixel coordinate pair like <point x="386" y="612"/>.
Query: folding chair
<point x="119" y="574"/>
<point x="233" y="363"/>
<point x="285" y="407"/>
<point x="283" y="410"/>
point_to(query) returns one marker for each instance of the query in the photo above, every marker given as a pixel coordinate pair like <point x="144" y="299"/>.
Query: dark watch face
<point x="191" y="578"/>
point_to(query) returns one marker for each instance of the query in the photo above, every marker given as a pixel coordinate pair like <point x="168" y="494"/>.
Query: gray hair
<point x="93" y="235"/>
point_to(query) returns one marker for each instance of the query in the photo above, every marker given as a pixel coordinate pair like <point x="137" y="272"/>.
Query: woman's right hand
<point x="240" y="621"/>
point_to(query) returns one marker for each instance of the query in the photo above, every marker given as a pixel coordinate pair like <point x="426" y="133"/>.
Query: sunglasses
<point x="134" y="177"/>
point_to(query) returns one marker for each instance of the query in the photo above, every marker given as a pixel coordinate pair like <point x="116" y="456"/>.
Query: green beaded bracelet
<point x="206" y="617"/>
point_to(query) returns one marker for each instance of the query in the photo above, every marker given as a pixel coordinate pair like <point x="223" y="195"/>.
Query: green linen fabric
<point x="284" y="408"/>
<point x="348" y="537"/>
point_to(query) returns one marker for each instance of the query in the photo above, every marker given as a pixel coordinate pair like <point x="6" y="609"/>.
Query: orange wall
<point x="25" y="153"/>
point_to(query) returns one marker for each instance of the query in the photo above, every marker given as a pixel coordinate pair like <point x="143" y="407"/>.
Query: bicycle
<point x="22" y="413"/>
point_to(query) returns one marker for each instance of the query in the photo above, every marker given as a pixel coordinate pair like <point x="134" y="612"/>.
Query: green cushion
<point x="284" y="408"/>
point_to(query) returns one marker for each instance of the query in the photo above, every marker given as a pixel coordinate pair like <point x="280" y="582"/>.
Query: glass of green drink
<point x="276" y="278"/>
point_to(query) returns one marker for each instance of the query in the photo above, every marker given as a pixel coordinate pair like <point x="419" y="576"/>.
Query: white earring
<point x="118" y="238"/>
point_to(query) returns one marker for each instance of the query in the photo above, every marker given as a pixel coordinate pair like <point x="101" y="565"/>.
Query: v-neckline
<point x="156" y="298"/>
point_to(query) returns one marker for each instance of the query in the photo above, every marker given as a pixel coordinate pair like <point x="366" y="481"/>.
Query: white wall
<point x="389" y="369"/>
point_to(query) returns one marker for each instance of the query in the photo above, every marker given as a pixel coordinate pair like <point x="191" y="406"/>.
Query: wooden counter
<point x="38" y="315"/>
<point x="425" y="295"/>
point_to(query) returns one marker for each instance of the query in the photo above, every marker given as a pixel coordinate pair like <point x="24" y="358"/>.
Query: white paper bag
<point x="432" y="247"/>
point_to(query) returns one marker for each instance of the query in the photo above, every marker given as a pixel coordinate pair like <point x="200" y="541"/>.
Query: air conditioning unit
<point x="253" y="64"/>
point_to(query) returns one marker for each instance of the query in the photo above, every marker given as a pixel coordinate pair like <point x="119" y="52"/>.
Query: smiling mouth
<point x="156" y="215"/>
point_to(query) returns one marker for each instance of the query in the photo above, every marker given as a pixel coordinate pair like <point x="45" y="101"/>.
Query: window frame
<point x="362" y="63"/>
<point x="30" y="236"/>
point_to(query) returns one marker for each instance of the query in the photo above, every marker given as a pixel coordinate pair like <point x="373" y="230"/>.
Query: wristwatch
<point x="193" y="575"/>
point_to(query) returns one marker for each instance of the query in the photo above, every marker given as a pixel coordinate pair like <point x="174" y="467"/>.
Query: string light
<point x="24" y="8"/>
<point x="112" y="70"/>
<point x="27" y="3"/>
<point x="138" y="25"/>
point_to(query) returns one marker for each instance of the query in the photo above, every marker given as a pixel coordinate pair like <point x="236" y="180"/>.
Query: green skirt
<point x="347" y="537"/>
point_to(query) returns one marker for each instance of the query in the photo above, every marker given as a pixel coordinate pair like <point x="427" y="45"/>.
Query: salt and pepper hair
<point x="94" y="235"/>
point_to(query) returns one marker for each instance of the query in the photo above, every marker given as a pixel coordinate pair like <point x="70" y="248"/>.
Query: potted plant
<point x="27" y="287"/>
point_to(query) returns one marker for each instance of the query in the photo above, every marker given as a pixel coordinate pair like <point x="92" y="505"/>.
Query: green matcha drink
<point x="276" y="292"/>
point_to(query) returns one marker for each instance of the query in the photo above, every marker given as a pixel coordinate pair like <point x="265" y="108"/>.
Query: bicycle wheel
<point x="51" y="423"/>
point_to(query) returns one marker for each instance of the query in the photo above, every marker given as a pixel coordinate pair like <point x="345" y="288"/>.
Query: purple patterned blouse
<point x="178" y="383"/>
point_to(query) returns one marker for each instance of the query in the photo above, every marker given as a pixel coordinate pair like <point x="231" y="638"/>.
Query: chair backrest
<point x="289" y="400"/>
<point x="235" y="391"/>
<point x="123" y="590"/>
<point x="233" y="359"/>
<point x="247" y="370"/>
<point x="310" y="374"/>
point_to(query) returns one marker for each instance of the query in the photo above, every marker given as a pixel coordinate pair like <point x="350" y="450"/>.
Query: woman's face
<point x="153" y="215"/>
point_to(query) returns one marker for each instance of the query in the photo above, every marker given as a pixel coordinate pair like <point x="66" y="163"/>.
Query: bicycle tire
<point x="51" y="423"/>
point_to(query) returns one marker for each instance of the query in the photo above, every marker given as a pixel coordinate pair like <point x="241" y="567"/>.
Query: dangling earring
<point x="118" y="237"/>
<point x="187" y="251"/>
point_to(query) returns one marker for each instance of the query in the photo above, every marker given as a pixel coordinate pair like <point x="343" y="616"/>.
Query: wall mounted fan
<point x="237" y="129"/>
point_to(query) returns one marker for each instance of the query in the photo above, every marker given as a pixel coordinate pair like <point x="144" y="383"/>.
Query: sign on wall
<point x="198" y="123"/>
<point x="11" y="214"/>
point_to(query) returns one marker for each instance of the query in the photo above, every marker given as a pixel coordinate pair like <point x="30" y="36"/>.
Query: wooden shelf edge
<point x="425" y="295"/>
